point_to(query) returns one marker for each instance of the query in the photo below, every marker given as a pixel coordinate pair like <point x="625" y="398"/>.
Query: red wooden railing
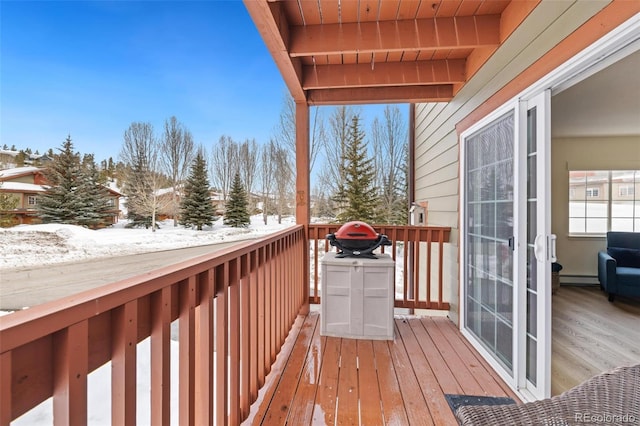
<point x="413" y="251"/>
<point x="238" y="303"/>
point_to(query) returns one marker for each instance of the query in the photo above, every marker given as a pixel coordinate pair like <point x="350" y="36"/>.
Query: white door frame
<point x="617" y="44"/>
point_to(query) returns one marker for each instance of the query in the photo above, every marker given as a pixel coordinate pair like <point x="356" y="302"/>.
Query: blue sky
<point x="90" y="69"/>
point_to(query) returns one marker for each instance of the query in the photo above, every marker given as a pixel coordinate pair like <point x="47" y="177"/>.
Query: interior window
<point x="604" y="200"/>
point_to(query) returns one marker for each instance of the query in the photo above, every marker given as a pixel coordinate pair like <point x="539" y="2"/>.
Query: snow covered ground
<point x="56" y="243"/>
<point x="30" y="245"/>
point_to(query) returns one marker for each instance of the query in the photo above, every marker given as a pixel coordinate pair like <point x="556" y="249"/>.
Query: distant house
<point x="165" y="197"/>
<point x="27" y="183"/>
<point x="13" y="159"/>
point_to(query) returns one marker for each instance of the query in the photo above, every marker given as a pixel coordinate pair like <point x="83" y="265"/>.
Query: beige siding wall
<point x="578" y="255"/>
<point x="437" y="150"/>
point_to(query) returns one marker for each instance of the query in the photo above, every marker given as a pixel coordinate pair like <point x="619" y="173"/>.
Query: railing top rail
<point x="28" y="325"/>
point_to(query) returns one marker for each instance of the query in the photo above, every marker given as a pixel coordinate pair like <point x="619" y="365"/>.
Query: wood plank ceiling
<point x="333" y="52"/>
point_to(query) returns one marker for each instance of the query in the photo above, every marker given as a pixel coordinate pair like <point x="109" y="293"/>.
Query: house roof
<point x="7" y="174"/>
<point x="21" y="187"/>
<point x="17" y="172"/>
<point x="334" y="52"/>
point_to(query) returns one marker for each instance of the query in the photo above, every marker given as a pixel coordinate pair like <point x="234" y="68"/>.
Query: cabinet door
<point x="337" y="299"/>
<point x="378" y="301"/>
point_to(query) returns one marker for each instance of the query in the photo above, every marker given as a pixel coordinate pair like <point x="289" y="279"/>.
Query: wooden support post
<point x="302" y="190"/>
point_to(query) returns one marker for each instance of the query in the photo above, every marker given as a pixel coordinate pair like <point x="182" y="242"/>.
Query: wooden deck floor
<point x="333" y="381"/>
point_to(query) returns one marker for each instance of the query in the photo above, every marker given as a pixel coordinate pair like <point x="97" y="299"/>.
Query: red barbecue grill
<point x="357" y="239"/>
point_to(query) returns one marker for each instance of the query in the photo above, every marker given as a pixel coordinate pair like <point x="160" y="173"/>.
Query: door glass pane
<point x="489" y="196"/>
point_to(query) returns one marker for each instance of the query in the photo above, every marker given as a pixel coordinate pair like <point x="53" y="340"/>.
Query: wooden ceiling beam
<point x="391" y="36"/>
<point x="380" y="95"/>
<point x="384" y="74"/>
<point x="271" y="22"/>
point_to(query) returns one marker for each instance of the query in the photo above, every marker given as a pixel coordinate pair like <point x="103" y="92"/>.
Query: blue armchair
<point x="619" y="265"/>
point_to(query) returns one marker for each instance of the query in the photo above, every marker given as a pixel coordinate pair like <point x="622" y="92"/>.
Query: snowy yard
<point x="33" y="245"/>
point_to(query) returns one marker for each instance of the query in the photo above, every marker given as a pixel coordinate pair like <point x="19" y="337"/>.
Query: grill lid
<point x="356" y="230"/>
<point x="357" y="239"/>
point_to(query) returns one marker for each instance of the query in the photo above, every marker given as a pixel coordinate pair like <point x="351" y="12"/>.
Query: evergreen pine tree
<point x="95" y="209"/>
<point x="62" y="201"/>
<point x="357" y="197"/>
<point x="74" y="194"/>
<point x="236" y="213"/>
<point x="196" y="208"/>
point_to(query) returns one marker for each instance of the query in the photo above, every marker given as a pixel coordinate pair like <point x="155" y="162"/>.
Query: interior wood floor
<point x="334" y="381"/>
<point x="591" y="335"/>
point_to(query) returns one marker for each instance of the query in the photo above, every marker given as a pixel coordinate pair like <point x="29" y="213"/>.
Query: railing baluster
<point x="161" y="357"/>
<point x="70" y="361"/>
<point x="262" y="318"/>
<point x="187" y="351"/>
<point x="6" y="406"/>
<point x="234" y="341"/>
<point x="123" y="364"/>
<point x="408" y="250"/>
<point x="316" y="276"/>
<point x="205" y="350"/>
<point x="254" y="315"/>
<point x="440" y="267"/>
<point x="428" y="277"/>
<point x="268" y="311"/>
<point x="222" y="274"/>
<point x="245" y="334"/>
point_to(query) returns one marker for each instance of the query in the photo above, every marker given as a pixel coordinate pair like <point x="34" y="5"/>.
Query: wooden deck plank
<point x="260" y="408"/>
<point x="393" y="409"/>
<point x="433" y="393"/>
<point x="414" y="402"/>
<point x="301" y="412"/>
<point x="453" y="350"/>
<point x="348" y="409"/>
<point x="360" y="382"/>
<point x="481" y="369"/>
<point x="438" y="364"/>
<point x="281" y="402"/>
<point x="369" y="388"/>
<point x="324" y="411"/>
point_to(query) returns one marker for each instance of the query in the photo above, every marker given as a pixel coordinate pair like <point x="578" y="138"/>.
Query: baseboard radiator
<point x="579" y="280"/>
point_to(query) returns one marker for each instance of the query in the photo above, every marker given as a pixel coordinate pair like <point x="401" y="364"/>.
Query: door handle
<point x="539" y="248"/>
<point x="552" y="247"/>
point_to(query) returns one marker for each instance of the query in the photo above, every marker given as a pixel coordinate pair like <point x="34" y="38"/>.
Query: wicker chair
<point x="612" y="397"/>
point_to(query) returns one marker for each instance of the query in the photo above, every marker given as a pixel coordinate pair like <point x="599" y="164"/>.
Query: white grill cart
<point x="357" y="297"/>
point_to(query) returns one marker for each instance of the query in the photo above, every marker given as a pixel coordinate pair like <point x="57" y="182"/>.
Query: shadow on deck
<point x="329" y="380"/>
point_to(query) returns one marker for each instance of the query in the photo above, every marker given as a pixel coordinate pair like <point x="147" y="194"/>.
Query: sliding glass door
<point x="489" y="238"/>
<point x="507" y="246"/>
<point x="540" y="248"/>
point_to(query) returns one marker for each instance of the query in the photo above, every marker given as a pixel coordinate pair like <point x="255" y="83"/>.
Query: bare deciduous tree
<point x="267" y="177"/>
<point x="286" y="130"/>
<point x="332" y="174"/>
<point x="247" y="167"/>
<point x="389" y="141"/>
<point x="283" y="181"/>
<point x="178" y="152"/>
<point x="141" y="155"/>
<point x="224" y="164"/>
